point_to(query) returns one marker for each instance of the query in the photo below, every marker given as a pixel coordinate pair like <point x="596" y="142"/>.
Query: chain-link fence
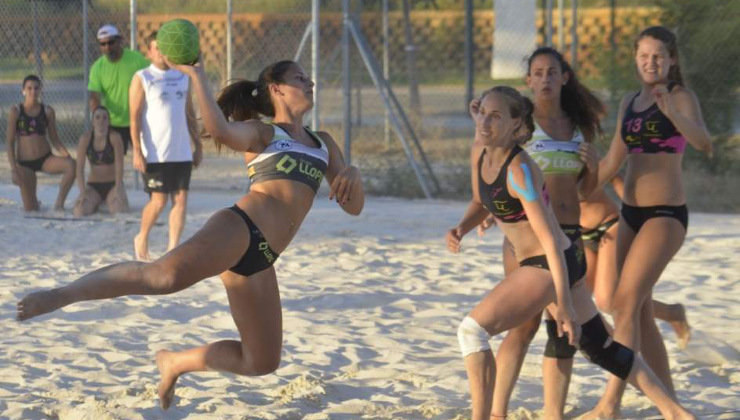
<point x="424" y="59"/>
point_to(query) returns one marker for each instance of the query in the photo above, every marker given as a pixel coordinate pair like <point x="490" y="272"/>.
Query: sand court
<point x="370" y="309"/>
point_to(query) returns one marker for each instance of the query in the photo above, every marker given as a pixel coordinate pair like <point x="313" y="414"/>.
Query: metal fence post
<point x="346" y="86"/>
<point x="229" y="41"/>
<point x="85" y="62"/>
<point x="561" y="26"/>
<point x="386" y="69"/>
<point x="132" y="39"/>
<point x="315" y="63"/>
<point x="469" y="65"/>
<point x="574" y="35"/>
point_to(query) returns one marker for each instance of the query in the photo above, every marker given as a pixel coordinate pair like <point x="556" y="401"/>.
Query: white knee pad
<point x="472" y="337"/>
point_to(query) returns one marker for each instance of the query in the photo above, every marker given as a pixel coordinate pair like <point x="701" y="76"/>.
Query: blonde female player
<point x="507" y="183"/>
<point x="566" y="117"/>
<point x="655" y="124"/>
<point x="242" y="242"/>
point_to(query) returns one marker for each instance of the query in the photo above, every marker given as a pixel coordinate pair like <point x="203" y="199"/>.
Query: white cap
<point x="107" y="31"/>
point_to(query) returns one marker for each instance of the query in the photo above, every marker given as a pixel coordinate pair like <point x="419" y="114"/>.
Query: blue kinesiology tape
<point x="528" y="192"/>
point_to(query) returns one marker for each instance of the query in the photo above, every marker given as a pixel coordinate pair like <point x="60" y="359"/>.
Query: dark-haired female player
<point x="30" y="123"/>
<point x="103" y="147"/>
<point x="286" y="165"/>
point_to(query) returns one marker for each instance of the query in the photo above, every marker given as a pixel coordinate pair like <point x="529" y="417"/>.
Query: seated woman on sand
<point x="103" y="147"/>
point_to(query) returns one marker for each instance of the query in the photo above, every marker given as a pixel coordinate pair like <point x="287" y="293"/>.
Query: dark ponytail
<point x="519" y="107"/>
<point x="668" y="39"/>
<point x="581" y="106"/>
<point x="244" y="99"/>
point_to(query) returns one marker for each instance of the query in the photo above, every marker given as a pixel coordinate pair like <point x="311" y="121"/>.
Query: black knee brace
<point x="599" y="348"/>
<point x="557" y="347"/>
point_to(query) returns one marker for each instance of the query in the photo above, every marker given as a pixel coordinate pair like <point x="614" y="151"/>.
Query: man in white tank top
<point x="163" y="127"/>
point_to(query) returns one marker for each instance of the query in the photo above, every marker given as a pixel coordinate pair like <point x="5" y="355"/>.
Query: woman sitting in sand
<point x="286" y="163"/>
<point x="508" y="184"/>
<point x="103" y="147"/>
<point x="29" y="125"/>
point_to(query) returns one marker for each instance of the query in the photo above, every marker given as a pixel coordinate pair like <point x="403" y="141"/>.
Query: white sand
<point x="370" y="306"/>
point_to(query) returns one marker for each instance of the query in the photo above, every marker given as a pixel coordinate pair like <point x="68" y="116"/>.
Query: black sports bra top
<point x="27" y="125"/>
<point x="102" y="157"/>
<point x="495" y="197"/>
<point x="650" y="131"/>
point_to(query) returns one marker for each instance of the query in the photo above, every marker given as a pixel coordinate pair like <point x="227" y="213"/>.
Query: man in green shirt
<point x="110" y="77"/>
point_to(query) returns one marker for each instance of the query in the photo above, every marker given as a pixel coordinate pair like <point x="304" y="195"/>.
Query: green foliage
<point x="708" y="34"/>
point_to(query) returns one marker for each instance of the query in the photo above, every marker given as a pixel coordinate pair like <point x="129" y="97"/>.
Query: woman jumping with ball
<point x="241" y="243"/>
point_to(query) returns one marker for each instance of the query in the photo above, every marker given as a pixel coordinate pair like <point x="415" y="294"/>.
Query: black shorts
<point x="102" y="188"/>
<point x="575" y="263"/>
<point x="35" y="164"/>
<point x="259" y="256"/>
<point x="635" y="217"/>
<point x="167" y="177"/>
<point x="125" y="133"/>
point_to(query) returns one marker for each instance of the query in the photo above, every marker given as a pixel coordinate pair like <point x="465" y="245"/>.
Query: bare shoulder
<point x="84" y="138"/>
<point x="626" y="99"/>
<point x="14" y="111"/>
<point x="684" y="95"/>
<point x="49" y="110"/>
<point x="264" y="132"/>
<point x="115" y="136"/>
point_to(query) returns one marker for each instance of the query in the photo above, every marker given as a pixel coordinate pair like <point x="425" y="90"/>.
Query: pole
<point x="613" y="53"/>
<point x="414" y="101"/>
<point x="561" y="26"/>
<point x="315" y="64"/>
<point x="386" y="68"/>
<point x="134" y="46"/>
<point x="346" y="84"/>
<point x="469" y="65"/>
<point x="574" y="36"/>
<point x="229" y="40"/>
<point x="384" y="91"/>
<point x="132" y="34"/>
<point x="85" y="63"/>
<point x="37" y="41"/>
<point x="548" y="23"/>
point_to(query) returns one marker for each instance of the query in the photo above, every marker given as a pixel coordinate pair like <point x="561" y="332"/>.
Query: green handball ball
<point x="177" y="40"/>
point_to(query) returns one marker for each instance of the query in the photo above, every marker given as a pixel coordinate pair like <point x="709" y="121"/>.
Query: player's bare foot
<point x="141" y="248"/>
<point x="681" y="325"/>
<point x="38" y="303"/>
<point x="599" y="413"/>
<point x="166" y="388"/>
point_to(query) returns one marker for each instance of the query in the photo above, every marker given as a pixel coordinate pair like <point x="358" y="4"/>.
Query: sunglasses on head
<point x="107" y="43"/>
